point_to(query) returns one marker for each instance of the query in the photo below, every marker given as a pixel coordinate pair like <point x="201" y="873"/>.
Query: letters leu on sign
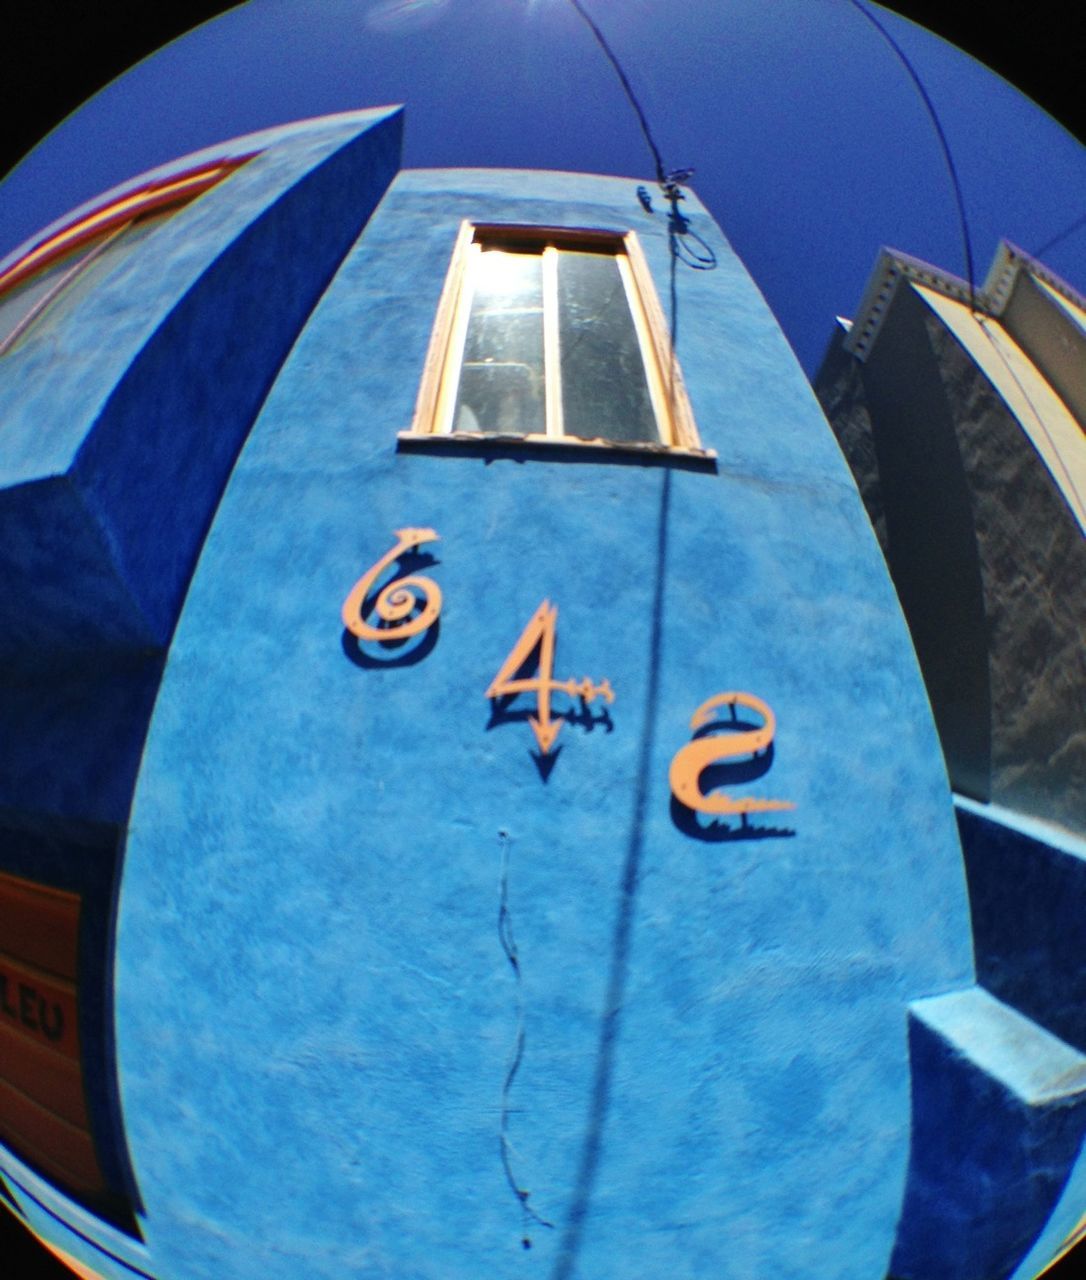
<point x="43" y="1107"/>
<point x="407" y="605"/>
<point x="24" y="1004"/>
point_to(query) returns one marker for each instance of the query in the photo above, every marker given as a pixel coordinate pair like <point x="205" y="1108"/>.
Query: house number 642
<point x="409" y="605"/>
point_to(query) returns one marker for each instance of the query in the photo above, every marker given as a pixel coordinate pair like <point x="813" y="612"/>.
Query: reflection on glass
<point x="501" y="379"/>
<point x="604" y="389"/>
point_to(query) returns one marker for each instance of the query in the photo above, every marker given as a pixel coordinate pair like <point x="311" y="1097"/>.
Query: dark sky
<point x="1027" y="44"/>
<point x="811" y="144"/>
<point x="59" y="52"/>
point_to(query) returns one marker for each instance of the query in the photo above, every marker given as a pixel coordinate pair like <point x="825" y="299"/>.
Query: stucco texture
<point x="315" y="1014"/>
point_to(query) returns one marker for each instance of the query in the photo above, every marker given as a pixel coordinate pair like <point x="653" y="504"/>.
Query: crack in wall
<point x="508" y="1150"/>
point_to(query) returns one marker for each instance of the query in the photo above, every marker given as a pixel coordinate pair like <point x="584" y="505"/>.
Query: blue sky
<point x="811" y="145"/>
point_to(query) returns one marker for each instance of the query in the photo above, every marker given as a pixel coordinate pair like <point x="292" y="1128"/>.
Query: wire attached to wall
<point x="948" y="159"/>
<point x="686" y="245"/>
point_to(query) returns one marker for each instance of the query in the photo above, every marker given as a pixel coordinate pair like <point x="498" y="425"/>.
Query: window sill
<point x="628" y="450"/>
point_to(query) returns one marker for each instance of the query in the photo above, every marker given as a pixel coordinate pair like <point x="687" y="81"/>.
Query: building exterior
<point x="974" y="414"/>
<point x="968" y="406"/>
<point x="470" y="801"/>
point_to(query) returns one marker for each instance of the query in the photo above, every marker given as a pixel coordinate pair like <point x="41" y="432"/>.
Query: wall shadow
<point x="582" y="715"/>
<point x="610" y="1024"/>
<point x="369" y="654"/>
<point x="516" y="449"/>
<point x="715" y="828"/>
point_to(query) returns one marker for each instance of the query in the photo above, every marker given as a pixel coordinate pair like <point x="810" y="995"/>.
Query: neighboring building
<point x="973" y="416"/>
<point x="962" y="413"/>
<point x="468" y="801"/>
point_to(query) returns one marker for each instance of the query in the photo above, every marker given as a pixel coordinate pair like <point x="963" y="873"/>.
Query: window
<point x="551" y="334"/>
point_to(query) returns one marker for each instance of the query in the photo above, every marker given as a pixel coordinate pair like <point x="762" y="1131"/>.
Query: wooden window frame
<point x="441" y="371"/>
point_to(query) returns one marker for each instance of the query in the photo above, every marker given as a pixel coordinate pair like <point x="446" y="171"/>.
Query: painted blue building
<point x="470" y="803"/>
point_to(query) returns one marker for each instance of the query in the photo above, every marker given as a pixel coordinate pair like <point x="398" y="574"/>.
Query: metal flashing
<point x="892" y="267"/>
<point x="989" y="299"/>
<point x="1008" y="262"/>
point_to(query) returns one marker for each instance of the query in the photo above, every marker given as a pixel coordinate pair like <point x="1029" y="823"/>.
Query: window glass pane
<point x="604" y="388"/>
<point x="501" y="379"/>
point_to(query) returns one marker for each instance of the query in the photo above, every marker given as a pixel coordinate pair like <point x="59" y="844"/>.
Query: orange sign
<point x="539" y="634"/>
<point x="398" y="599"/>
<point x="736" y="739"/>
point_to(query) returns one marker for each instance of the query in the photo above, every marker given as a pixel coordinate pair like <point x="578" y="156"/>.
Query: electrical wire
<point x="690" y="248"/>
<point x="685" y="245"/>
<point x="601" y="40"/>
<point x="1060" y="236"/>
<point x="948" y="159"/>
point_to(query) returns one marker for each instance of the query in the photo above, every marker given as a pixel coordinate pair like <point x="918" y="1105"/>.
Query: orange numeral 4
<point x="539" y="634"/>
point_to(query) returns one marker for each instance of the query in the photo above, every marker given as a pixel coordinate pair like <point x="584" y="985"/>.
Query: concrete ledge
<point x="1031" y="1062"/>
<point x="1027" y="891"/>
<point x="999" y="1112"/>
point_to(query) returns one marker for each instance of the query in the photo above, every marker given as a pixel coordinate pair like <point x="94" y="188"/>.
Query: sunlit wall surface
<point x="489" y="947"/>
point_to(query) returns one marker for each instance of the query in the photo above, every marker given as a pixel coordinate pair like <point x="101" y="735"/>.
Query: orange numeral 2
<point x="693" y="759"/>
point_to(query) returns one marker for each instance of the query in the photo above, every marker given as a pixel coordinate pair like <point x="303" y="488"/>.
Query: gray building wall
<point x="987" y="555"/>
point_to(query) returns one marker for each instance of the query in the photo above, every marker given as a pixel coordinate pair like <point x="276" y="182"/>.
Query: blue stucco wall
<point x="141" y="391"/>
<point x="998" y="1180"/>
<point x="121" y="414"/>
<point x="314" y="1012"/>
<point x="1028" y="896"/>
<point x="999" y="1111"/>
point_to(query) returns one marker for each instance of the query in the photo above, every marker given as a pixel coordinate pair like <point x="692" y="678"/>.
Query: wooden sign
<point x="43" y="1114"/>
